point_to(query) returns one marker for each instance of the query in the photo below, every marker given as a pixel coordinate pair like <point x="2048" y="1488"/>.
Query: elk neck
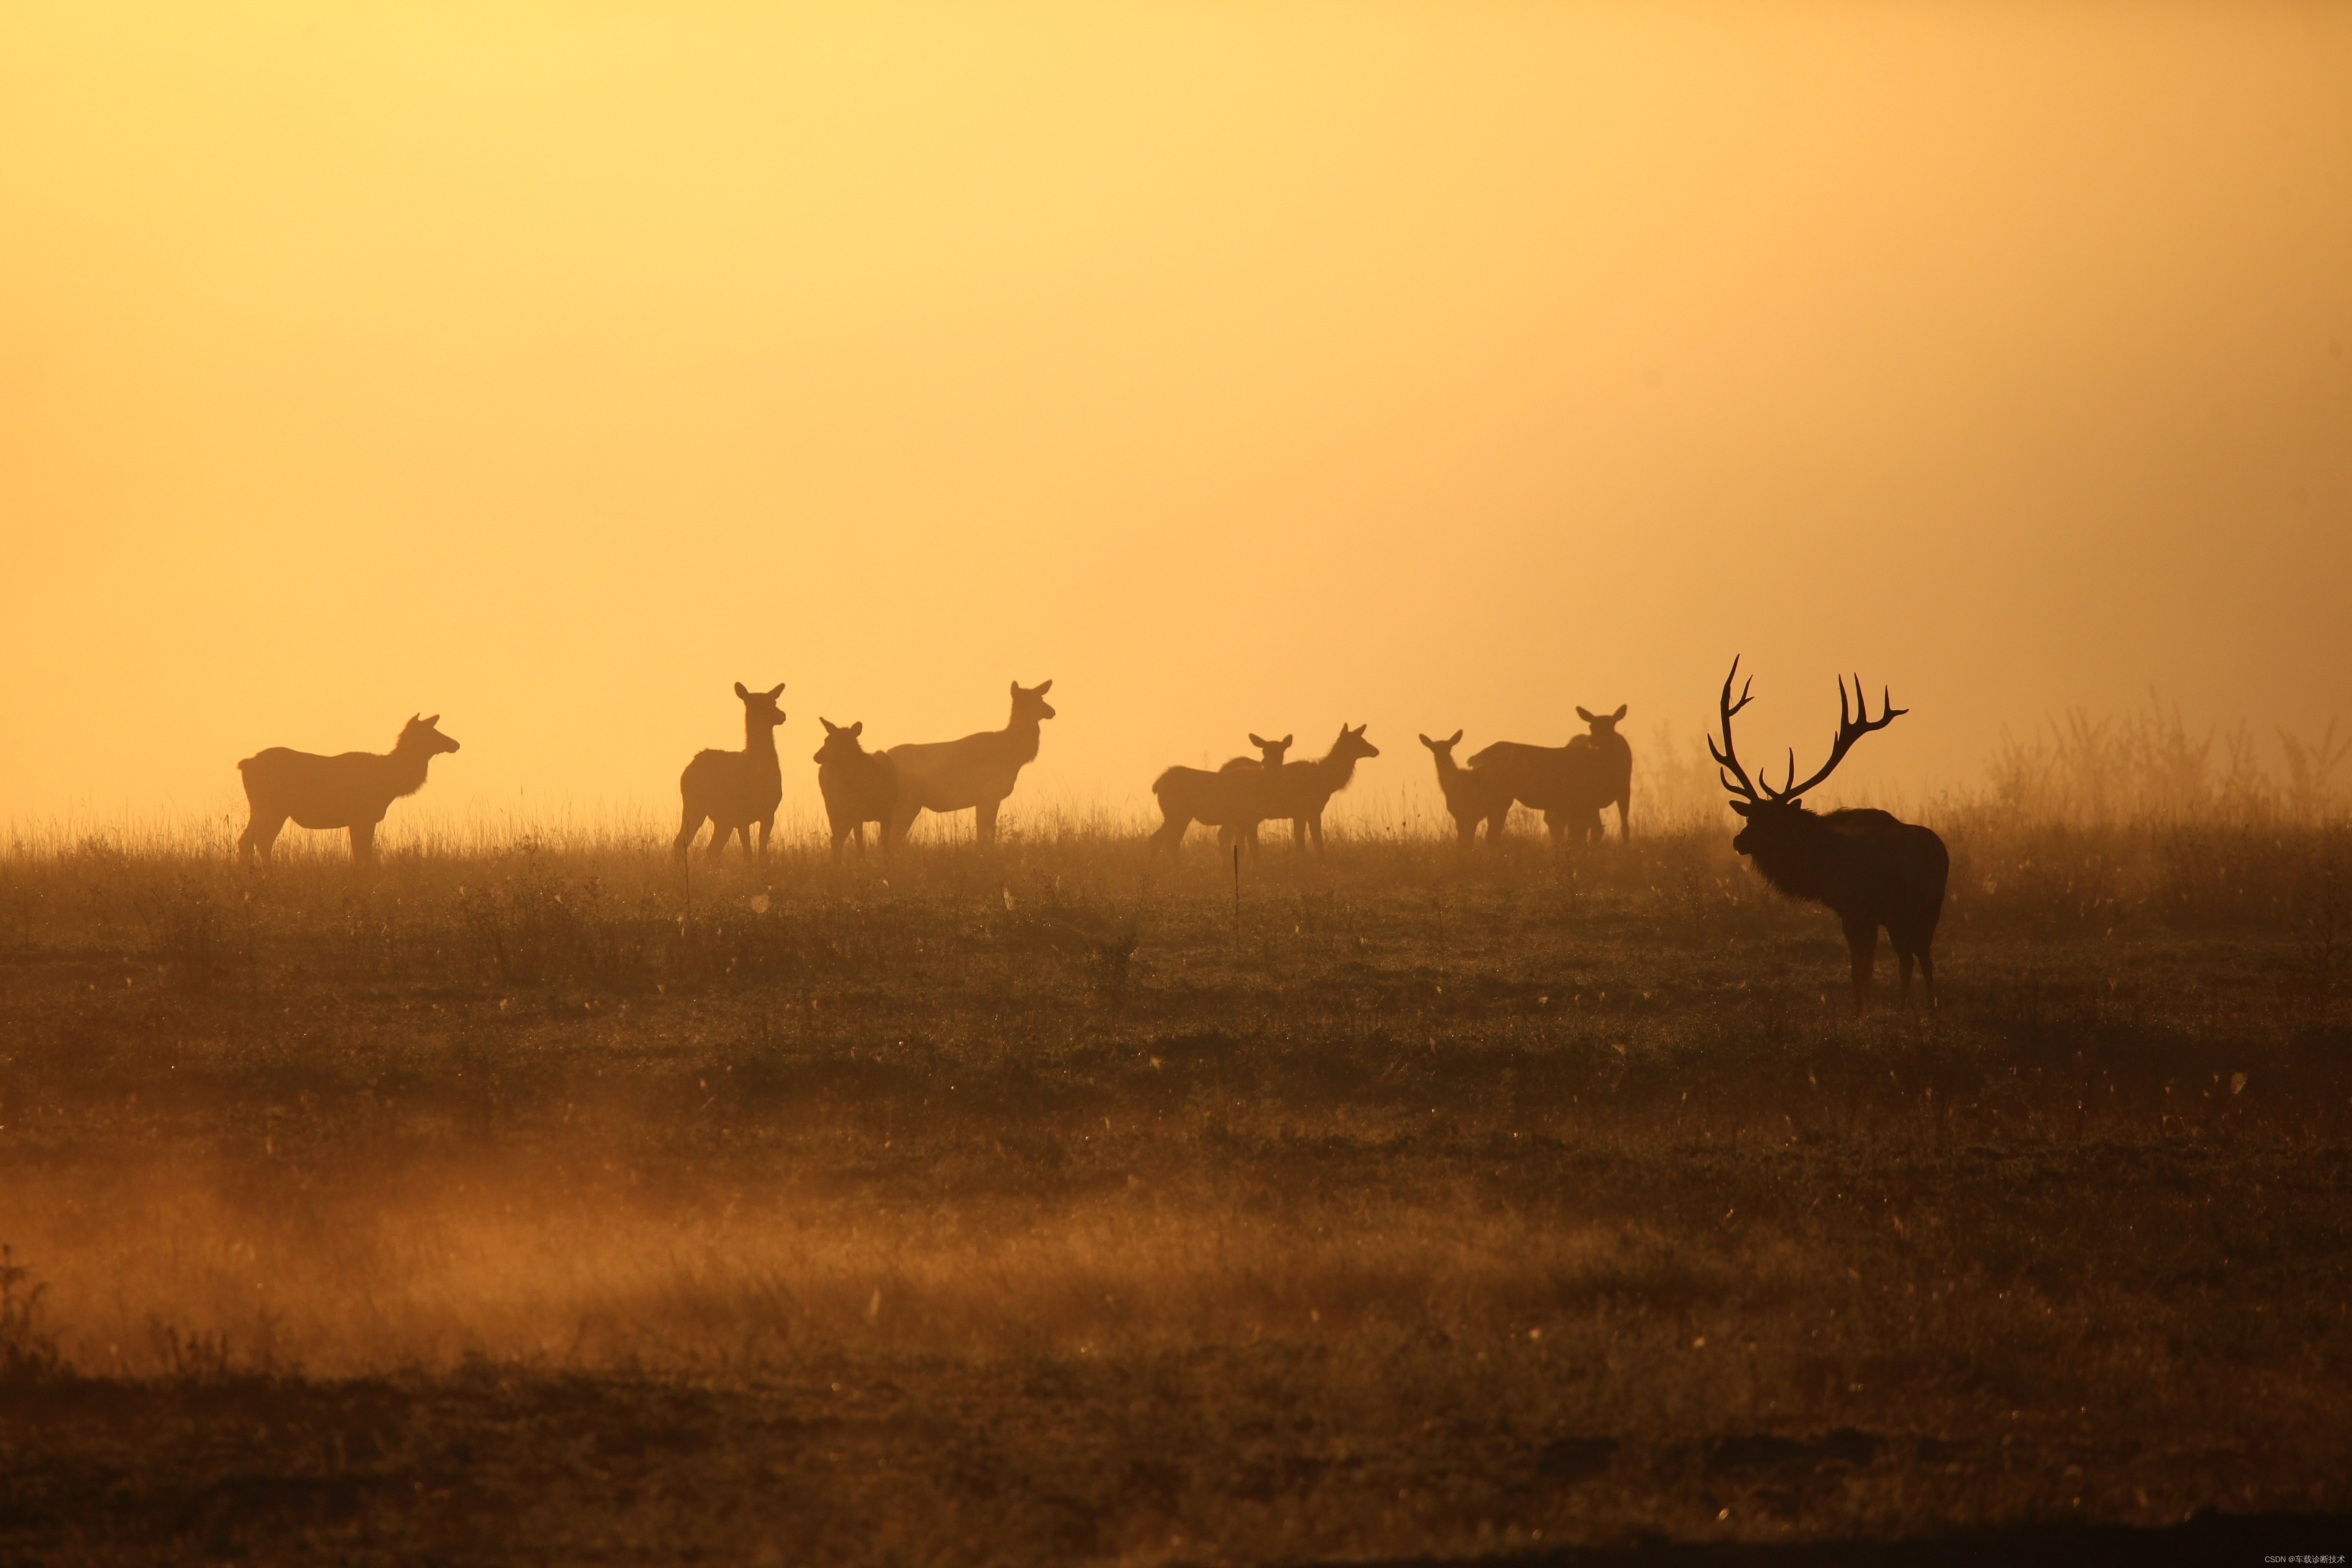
<point x="1334" y="768"/>
<point x="1021" y="737"/>
<point x="404" y="770"/>
<point x="760" y="741"/>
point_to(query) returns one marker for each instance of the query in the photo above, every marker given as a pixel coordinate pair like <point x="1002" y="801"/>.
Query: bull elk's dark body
<point x="353" y="790"/>
<point x="1870" y="869"/>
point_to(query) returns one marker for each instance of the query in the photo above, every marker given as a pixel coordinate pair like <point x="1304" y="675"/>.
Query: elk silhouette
<point x="1234" y="799"/>
<point x="973" y="774"/>
<point x="1302" y="789"/>
<point x="1610" y="764"/>
<point x="859" y="786"/>
<point x="1569" y="784"/>
<point x="1471" y="797"/>
<point x="351" y="789"/>
<point x="734" y="790"/>
<point x="1870" y="869"/>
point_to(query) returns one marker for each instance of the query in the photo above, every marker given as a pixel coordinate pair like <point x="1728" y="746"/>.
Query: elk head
<point x="1445" y="749"/>
<point x="419" y="734"/>
<point x="1352" y="745"/>
<point x="760" y="706"/>
<point x="1775" y="815"/>
<point x="1029" y="702"/>
<point x="840" y="741"/>
<point x="1604" y="725"/>
<point x="1270" y="753"/>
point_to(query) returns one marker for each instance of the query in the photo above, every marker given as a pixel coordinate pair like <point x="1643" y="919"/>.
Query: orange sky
<point x="1238" y="366"/>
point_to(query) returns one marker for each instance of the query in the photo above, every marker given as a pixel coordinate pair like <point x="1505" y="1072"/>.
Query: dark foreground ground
<point x="513" y="1209"/>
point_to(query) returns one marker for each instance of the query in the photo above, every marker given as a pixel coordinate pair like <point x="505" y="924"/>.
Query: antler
<point x="1851" y="727"/>
<point x="1727" y="760"/>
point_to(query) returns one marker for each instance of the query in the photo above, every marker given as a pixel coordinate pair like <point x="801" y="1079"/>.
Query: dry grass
<point x="536" y="1203"/>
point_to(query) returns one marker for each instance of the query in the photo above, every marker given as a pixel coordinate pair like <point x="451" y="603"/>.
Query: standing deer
<point x="1568" y="783"/>
<point x="1302" y="789"/>
<point x="1867" y="865"/>
<point x="859" y="786"/>
<point x="734" y="790"/>
<point x="1611" y="770"/>
<point x="973" y="774"/>
<point x="1234" y="800"/>
<point x="1470" y="797"/>
<point x="352" y="789"/>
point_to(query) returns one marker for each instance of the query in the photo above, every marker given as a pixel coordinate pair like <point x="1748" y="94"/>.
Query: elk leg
<point x="1928" y="974"/>
<point x="1465" y="830"/>
<point x="362" y="843"/>
<point x="1556" y="827"/>
<point x="766" y="822"/>
<point x="261" y="834"/>
<point x="1625" y="826"/>
<point x="1862" y="936"/>
<point x="1315" y="827"/>
<point x="688" y="825"/>
<point x="983" y="822"/>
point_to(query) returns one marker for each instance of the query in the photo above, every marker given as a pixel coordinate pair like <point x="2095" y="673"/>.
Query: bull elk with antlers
<point x="1867" y="865"/>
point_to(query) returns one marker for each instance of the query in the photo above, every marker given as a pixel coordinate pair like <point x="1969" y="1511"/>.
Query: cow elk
<point x="1471" y="797"/>
<point x="1302" y="789"/>
<point x="859" y="786"/>
<point x="974" y="774"/>
<point x="1569" y="784"/>
<point x="353" y="790"/>
<point x="1611" y="762"/>
<point x="1234" y="799"/>
<point x="1870" y="869"/>
<point x="734" y="790"/>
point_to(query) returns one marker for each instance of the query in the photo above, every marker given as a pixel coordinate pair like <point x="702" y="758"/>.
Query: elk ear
<point x="779" y="692"/>
<point x="829" y="725"/>
<point x="1740" y="807"/>
<point x="1430" y="743"/>
<point x="859" y="727"/>
<point x="1043" y="688"/>
<point x="1456" y="740"/>
<point x="1581" y="714"/>
<point x="1258" y="739"/>
<point x="1286" y="740"/>
<point x="434" y="720"/>
<point x="1618" y="714"/>
<point x="741" y="692"/>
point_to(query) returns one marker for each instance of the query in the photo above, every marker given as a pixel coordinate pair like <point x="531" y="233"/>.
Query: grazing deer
<point x="1471" y="797"/>
<point x="1568" y="783"/>
<point x="1234" y="800"/>
<point x="733" y="790"/>
<point x="352" y="790"/>
<point x="1611" y="771"/>
<point x="859" y="786"/>
<point x="1302" y="789"/>
<point x="1869" y="867"/>
<point x="976" y="772"/>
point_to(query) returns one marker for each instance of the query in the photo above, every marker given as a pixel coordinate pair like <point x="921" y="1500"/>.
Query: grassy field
<point x="532" y="1204"/>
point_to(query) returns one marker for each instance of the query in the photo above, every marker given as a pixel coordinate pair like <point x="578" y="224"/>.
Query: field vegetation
<point x="532" y="1200"/>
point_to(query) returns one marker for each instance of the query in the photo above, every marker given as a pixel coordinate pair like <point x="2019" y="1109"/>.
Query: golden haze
<point x="1236" y="367"/>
